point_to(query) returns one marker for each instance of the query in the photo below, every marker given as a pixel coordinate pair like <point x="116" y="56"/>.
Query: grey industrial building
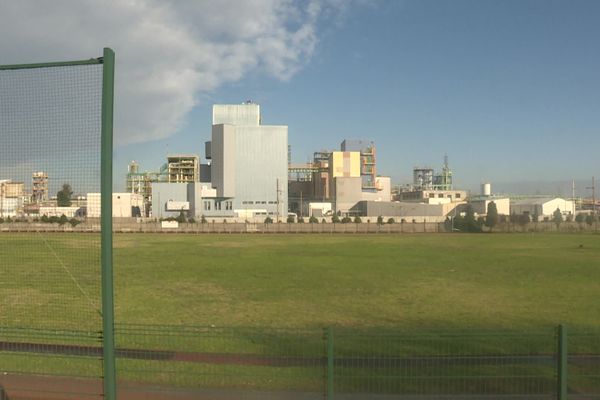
<point x="248" y="163"/>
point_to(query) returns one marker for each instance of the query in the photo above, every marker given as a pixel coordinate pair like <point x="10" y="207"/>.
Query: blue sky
<point x="510" y="90"/>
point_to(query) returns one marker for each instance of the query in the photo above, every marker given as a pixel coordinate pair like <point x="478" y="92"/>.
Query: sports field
<point x="412" y="314"/>
<point x="441" y="282"/>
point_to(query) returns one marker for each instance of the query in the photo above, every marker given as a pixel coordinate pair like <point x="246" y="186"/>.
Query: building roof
<point x="534" y="200"/>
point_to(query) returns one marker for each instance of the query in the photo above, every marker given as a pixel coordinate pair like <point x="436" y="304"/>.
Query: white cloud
<point x="168" y="52"/>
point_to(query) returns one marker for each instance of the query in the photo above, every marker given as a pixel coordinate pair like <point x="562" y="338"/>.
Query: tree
<point x="63" y="219"/>
<point x="268" y="220"/>
<point x="63" y="197"/>
<point x="491" y="218"/>
<point x="313" y="220"/>
<point x="471" y="224"/>
<point x="291" y="219"/>
<point x="380" y="220"/>
<point x="557" y="217"/>
<point x="523" y="220"/>
<point x="589" y="219"/>
<point x="357" y="220"/>
<point x="335" y="219"/>
<point x="579" y="218"/>
<point x="346" y="220"/>
<point x="391" y="221"/>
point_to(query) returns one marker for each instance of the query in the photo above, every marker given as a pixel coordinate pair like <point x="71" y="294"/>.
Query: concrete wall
<point x="405" y="210"/>
<point x="344" y="164"/>
<point x="346" y="192"/>
<point x="122" y="204"/>
<point x="162" y="193"/>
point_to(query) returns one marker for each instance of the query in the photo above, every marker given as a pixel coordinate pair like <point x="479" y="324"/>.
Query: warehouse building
<point x="408" y="211"/>
<point x="542" y="206"/>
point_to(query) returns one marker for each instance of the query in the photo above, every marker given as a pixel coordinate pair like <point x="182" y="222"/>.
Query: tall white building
<point x="249" y="163"/>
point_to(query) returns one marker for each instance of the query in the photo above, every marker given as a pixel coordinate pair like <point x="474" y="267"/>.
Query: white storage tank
<point x="486" y="189"/>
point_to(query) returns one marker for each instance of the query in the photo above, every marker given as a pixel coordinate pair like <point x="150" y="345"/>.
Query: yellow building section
<point x="344" y="164"/>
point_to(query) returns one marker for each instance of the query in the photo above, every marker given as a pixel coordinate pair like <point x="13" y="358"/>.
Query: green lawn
<point x="433" y="282"/>
<point x="407" y="282"/>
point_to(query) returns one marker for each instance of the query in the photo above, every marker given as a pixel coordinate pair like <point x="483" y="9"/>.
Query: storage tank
<point x="486" y="189"/>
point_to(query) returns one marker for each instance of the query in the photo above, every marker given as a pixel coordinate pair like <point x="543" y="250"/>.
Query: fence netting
<point x="50" y="273"/>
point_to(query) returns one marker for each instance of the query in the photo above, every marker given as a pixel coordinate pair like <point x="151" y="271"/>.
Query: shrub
<point x="74" y="222"/>
<point x="181" y="217"/>
<point x="346" y="220"/>
<point x="380" y="220"/>
<point x="335" y="219"/>
<point x="391" y="221"/>
<point x="63" y="219"/>
<point x="300" y="220"/>
<point x="313" y="220"/>
<point x="291" y="219"/>
<point x="323" y="221"/>
<point x="268" y="220"/>
<point x="357" y="220"/>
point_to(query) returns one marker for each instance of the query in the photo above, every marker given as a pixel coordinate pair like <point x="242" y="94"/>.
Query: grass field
<point x="419" y="282"/>
<point x="450" y="285"/>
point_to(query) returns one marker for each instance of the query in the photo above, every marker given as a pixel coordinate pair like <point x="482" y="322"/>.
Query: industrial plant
<point x="246" y="174"/>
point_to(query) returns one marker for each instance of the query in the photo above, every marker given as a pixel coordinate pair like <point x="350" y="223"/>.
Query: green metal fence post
<point x="329" y="363"/>
<point x="562" y="363"/>
<point x="108" y="345"/>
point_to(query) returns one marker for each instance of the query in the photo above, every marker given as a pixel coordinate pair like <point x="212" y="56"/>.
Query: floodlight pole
<point x="108" y="318"/>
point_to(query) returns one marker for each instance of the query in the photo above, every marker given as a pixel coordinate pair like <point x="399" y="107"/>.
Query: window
<point x="217" y="205"/>
<point x="457" y="195"/>
<point x="441" y="195"/>
<point x="207" y="205"/>
<point x="431" y="195"/>
<point x="228" y="205"/>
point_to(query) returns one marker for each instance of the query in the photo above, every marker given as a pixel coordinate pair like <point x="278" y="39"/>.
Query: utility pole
<point x="300" y="204"/>
<point x="593" y="187"/>
<point x="277" y="190"/>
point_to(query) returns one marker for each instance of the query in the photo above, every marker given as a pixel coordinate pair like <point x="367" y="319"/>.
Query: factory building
<point x="249" y="165"/>
<point x="481" y="203"/>
<point x="368" y="165"/>
<point x="542" y="206"/>
<point x="124" y="205"/>
<point x="11" y="198"/>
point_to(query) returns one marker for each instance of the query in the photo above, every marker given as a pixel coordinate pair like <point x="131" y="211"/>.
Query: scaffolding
<point x="141" y="182"/>
<point x="368" y="168"/>
<point x="39" y="184"/>
<point x="443" y="181"/>
<point x="183" y="168"/>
